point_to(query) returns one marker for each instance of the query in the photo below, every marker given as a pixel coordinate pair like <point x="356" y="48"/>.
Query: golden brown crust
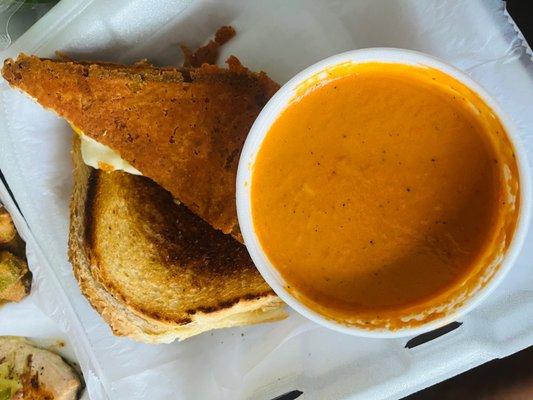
<point x="208" y="54"/>
<point x="151" y="268"/>
<point x="182" y="128"/>
<point x="134" y="221"/>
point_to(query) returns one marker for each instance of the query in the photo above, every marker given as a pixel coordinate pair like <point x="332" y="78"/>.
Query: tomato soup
<point x="383" y="190"/>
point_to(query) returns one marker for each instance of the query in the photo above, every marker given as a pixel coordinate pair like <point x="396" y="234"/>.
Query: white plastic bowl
<point x="275" y="107"/>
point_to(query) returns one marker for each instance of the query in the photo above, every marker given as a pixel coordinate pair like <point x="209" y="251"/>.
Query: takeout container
<point x="280" y="38"/>
<point x="275" y="107"/>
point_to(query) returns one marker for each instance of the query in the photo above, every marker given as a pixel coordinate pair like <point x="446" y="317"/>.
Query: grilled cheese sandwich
<point x="153" y="147"/>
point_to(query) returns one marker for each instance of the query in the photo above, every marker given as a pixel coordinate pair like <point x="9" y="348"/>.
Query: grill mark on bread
<point x="89" y="206"/>
<point x="229" y="303"/>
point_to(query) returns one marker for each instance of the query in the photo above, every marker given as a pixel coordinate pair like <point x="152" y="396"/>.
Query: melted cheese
<point x="100" y="156"/>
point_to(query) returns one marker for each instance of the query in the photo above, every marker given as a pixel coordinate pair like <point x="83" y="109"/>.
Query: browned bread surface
<point x="154" y="270"/>
<point x="183" y="128"/>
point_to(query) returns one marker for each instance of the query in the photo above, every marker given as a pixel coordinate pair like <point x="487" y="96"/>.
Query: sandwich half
<point x="155" y="271"/>
<point x="184" y="128"/>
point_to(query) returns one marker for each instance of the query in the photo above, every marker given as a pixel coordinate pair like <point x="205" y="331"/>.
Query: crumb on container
<point x="7" y="228"/>
<point x="15" y="277"/>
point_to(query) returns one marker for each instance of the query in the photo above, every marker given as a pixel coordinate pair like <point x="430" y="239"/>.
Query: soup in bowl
<point x="381" y="192"/>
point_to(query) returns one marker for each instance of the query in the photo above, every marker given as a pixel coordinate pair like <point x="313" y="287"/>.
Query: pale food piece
<point x="15" y="278"/>
<point x="31" y="373"/>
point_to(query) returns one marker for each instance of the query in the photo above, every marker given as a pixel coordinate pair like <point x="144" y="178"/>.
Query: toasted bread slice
<point x="183" y="128"/>
<point x="153" y="269"/>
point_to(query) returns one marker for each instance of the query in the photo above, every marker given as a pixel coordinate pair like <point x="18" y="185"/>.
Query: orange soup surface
<point x="380" y="189"/>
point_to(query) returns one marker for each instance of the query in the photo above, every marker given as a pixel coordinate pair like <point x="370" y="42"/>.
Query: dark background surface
<point x="510" y="378"/>
<point x="522" y="13"/>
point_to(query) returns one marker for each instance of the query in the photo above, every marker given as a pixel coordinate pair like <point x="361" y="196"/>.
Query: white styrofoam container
<point x="280" y="37"/>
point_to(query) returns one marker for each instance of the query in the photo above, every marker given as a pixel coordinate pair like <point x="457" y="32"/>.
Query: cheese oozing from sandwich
<point x="100" y="156"/>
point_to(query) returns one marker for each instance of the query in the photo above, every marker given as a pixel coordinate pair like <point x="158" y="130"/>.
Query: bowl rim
<point x="279" y="102"/>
